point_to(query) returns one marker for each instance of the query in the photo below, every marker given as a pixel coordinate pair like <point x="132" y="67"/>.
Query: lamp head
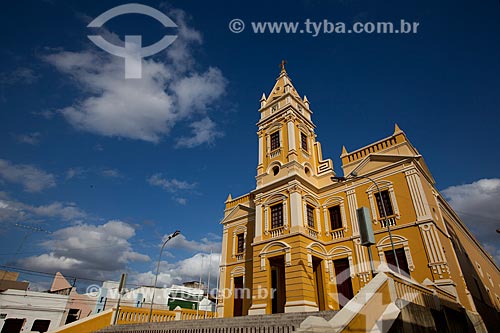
<point x="177" y="232"/>
<point x="338" y="179"/>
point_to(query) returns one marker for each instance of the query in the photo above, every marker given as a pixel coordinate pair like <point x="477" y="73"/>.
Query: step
<point x="279" y="323"/>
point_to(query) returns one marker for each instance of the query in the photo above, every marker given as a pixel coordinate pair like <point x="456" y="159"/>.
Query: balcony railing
<point x="338" y="233"/>
<point x="277" y="232"/>
<point x="313" y="233"/>
<point x="390" y="220"/>
<point x="275" y="153"/>
<point x="239" y="256"/>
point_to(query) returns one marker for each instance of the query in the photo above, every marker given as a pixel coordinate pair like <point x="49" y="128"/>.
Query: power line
<point x="51" y="275"/>
<point x="29" y="227"/>
<point x="41" y="273"/>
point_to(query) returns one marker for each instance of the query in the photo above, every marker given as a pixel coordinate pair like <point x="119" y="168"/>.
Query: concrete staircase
<point x="275" y="323"/>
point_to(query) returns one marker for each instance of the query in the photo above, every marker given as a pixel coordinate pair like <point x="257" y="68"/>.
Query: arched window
<point x="403" y="254"/>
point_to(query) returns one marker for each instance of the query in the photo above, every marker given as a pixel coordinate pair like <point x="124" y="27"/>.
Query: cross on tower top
<point x="282" y="65"/>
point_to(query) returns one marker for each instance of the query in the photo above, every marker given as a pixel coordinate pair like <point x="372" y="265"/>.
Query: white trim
<point x="238" y="271"/>
<point x="383" y="185"/>
<point x="258" y="220"/>
<point x="385" y="243"/>
<point x="353" y="205"/>
<point x="282" y="248"/>
<point x="363" y="270"/>
<point x="291" y="135"/>
<point x="339" y="252"/>
<point x="434" y="249"/>
<point x="417" y="194"/>
<point x="261" y="149"/>
<point x="337" y="201"/>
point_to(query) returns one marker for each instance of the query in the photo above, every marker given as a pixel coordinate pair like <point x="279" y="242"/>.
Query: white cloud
<point x="21" y="75"/>
<point x="181" y="201"/>
<point x="31" y="178"/>
<point x="171" y="185"/>
<point x="47" y="114"/>
<point x="204" y="245"/>
<point x="168" y="94"/>
<point x="202" y="131"/>
<point x="165" y="279"/>
<point x="196" y="91"/>
<point x="104" y="251"/>
<point x="189" y="269"/>
<point x="98" y="147"/>
<point x="477" y="205"/>
<point x="86" y="250"/>
<point x="76" y="172"/>
<point x="65" y="211"/>
<point x="111" y="173"/>
<point x="29" y="138"/>
<point x="199" y="264"/>
<point x="180" y="52"/>
<point x="15" y="211"/>
<point x="80" y="172"/>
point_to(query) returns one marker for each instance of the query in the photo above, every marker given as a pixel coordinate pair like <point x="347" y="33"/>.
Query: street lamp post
<point x="354" y="175"/>
<point x="158" y="269"/>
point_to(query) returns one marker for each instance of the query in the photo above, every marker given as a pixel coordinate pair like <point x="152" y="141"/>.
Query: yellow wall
<point x="89" y="324"/>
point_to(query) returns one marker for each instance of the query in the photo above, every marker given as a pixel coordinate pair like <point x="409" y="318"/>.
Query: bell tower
<point x="290" y="173"/>
<point x="287" y="141"/>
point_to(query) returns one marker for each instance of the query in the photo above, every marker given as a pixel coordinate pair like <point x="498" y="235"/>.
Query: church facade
<point x="293" y="243"/>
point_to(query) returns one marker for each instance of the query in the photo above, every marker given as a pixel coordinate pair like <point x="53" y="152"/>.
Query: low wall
<point x="130" y="315"/>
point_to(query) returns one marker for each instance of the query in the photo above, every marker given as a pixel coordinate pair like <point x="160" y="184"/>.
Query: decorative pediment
<point x="237" y="212"/>
<point x="275" y="246"/>
<point x="318" y="248"/>
<point x="376" y="161"/>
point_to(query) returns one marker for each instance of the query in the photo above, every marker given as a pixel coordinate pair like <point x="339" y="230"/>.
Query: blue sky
<point x="110" y="166"/>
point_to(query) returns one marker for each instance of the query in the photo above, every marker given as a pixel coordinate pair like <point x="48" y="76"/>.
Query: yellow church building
<point x="293" y="243"/>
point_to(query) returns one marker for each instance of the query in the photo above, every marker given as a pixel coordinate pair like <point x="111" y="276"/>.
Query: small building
<point x="31" y="311"/>
<point x="108" y="296"/>
<point x="78" y="306"/>
<point x="22" y="310"/>
<point x="185" y="297"/>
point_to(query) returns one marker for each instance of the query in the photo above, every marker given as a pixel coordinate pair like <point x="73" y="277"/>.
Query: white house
<point x="30" y="311"/>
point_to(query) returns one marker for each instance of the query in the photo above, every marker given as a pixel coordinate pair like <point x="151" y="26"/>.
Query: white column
<point x="291" y="135"/>
<point x="258" y="220"/>
<point x="353" y="205"/>
<point x="224" y="247"/>
<point x="318" y="219"/>
<point x="295" y="209"/>
<point x="418" y="197"/>
<point x="261" y="149"/>
<point x="234" y="244"/>
<point x="304" y="213"/>
<point x="326" y="220"/>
